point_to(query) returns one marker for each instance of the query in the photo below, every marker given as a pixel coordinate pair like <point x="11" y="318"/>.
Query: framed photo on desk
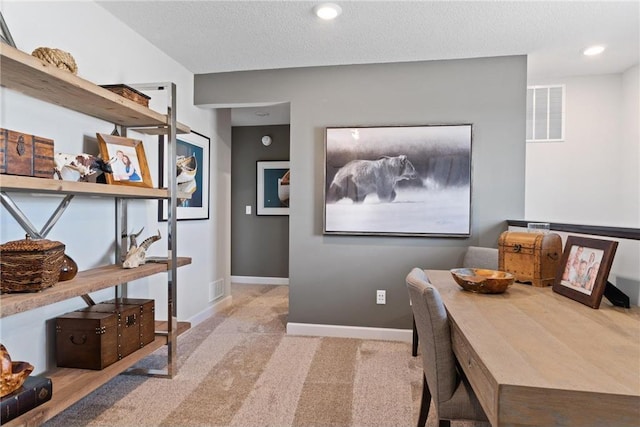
<point x="584" y="269"/>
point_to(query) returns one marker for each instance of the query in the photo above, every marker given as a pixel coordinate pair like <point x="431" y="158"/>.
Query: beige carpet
<point x="239" y="368"/>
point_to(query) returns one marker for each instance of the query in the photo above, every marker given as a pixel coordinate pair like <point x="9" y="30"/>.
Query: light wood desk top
<point x="535" y="357"/>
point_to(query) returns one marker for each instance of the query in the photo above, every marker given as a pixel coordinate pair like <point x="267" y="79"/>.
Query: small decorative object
<point x="136" y="255"/>
<point x="272" y="194"/>
<point x="398" y="180"/>
<point x="26" y="155"/>
<point x="129" y="93"/>
<point x="531" y="257"/>
<point x="538" y="227"/>
<point x="5" y="35"/>
<point x="584" y="269"/>
<point x="68" y="270"/>
<point x="56" y="57"/>
<point x="192" y="176"/>
<point x="30" y="265"/>
<point x="13" y="373"/>
<point x="128" y="160"/>
<point x="85" y="164"/>
<point x="482" y="281"/>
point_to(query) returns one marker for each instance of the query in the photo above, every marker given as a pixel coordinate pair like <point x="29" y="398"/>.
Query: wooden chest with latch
<point x="26" y="155"/>
<point x="531" y="257"/>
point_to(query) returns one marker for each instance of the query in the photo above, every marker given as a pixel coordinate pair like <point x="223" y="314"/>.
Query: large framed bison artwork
<point x="398" y="180"/>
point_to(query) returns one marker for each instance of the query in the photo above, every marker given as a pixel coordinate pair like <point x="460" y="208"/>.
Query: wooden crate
<point x="128" y="322"/>
<point x="531" y="257"/>
<point x="25" y="155"/>
<point x="129" y="93"/>
<point x="146" y="309"/>
<point x="86" y="340"/>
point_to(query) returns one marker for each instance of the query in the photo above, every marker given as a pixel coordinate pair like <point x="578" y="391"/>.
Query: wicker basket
<point x="30" y="265"/>
<point x="129" y="93"/>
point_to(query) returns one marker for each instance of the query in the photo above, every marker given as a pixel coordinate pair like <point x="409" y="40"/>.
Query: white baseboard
<point x="211" y="310"/>
<point x="251" y="280"/>
<point x="338" y="331"/>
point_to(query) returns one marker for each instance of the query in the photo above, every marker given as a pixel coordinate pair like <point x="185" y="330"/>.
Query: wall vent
<point x="216" y="290"/>
<point x="545" y="113"/>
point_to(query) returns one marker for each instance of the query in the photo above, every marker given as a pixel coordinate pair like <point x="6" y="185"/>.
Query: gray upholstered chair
<point x="474" y="257"/>
<point x="443" y="380"/>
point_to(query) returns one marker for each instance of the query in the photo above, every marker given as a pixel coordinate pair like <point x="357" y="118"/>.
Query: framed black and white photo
<point x="272" y="187"/>
<point x="192" y="174"/>
<point x="398" y="180"/>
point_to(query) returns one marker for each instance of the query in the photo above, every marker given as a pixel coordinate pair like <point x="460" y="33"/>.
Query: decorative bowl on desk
<point x="482" y="281"/>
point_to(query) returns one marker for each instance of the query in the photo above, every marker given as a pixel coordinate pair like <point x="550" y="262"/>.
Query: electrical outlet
<point x="381" y="296"/>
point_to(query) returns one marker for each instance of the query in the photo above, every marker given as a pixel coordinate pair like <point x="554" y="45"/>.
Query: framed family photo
<point x="192" y="176"/>
<point x="272" y="187"/>
<point x="584" y="269"/>
<point x="127" y="158"/>
<point x="398" y="180"/>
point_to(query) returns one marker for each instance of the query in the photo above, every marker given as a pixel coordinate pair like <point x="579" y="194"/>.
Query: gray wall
<point x="333" y="278"/>
<point x="259" y="244"/>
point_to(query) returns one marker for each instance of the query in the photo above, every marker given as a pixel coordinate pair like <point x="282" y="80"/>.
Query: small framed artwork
<point x="128" y="160"/>
<point x="273" y="179"/>
<point x="398" y="180"/>
<point x="192" y="176"/>
<point x="584" y="269"/>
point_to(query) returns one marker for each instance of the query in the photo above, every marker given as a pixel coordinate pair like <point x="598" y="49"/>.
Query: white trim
<point x="338" y="331"/>
<point x="253" y="280"/>
<point x="210" y="311"/>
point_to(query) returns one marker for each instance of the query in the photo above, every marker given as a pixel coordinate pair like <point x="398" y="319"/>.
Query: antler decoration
<point x="136" y="255"/>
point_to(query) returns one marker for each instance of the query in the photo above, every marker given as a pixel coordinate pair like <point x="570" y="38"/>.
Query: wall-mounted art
<point x="192" y="175"/>
<point x="127" y="159"/>
<point x="398" y="180"/>
<point x="272" y="187"/>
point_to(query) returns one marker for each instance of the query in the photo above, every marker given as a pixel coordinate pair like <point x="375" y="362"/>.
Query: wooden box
<point x="531" y="257"/>
<point x="30" y="265"/>
<point x="129" y="93"/>
<point x="26" y="155"/>
<point x="128" y="323"/>
<point x="147" y="321"/>
<point x="86" y="340"/>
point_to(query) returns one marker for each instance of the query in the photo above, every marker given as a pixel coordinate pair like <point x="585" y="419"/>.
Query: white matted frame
<point x="192" y="151"/>
<point x="398" y="180"/>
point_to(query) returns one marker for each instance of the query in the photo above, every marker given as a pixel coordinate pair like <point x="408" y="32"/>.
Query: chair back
<point x="438" y="360"/>
<point x="478" y="257"/>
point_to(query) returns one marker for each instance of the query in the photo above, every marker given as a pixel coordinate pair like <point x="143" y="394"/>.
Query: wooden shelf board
<point x="27" y="184"/>
<point x="71" y="385"/>
<point x="85" y="282"/>
<point x="35" y="78"/>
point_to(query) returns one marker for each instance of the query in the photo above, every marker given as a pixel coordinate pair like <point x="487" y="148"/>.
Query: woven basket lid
<point x="28" y="245"/>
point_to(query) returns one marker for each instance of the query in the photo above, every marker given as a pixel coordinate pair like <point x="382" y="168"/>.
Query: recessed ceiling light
<point x="593" y="50"/>
<point x="327" y="11"/>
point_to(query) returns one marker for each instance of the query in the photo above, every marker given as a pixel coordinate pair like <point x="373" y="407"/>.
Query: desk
<point x="537" y="358"/>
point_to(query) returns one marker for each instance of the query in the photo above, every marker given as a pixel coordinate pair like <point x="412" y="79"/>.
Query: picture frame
<point x="425" y="189"/>
<point x="584" y="269"/>
<point x="128" y="160"/>
<point x="272" y="187"/>
<point x="193" y="173"/>
<point x="5" y="34"/>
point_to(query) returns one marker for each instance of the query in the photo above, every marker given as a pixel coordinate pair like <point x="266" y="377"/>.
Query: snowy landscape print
<point x="402" y="180"/>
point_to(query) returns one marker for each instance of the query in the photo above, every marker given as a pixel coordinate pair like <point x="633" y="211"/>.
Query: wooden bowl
<point x="482" y="281"/>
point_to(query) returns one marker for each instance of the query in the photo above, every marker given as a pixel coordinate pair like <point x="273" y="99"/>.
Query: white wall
<point x="592" y="177"/>
<point x="106" y="51"/>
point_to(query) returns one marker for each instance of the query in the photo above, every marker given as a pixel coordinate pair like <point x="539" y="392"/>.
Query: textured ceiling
<point x="219" y="36"/>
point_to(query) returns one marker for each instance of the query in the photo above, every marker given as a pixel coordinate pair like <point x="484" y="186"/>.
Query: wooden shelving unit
<point x="37" y="79"/>
<point x="31" y="76"/>
<point x="71" y="385"/>
<point x="85" y="282"/>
